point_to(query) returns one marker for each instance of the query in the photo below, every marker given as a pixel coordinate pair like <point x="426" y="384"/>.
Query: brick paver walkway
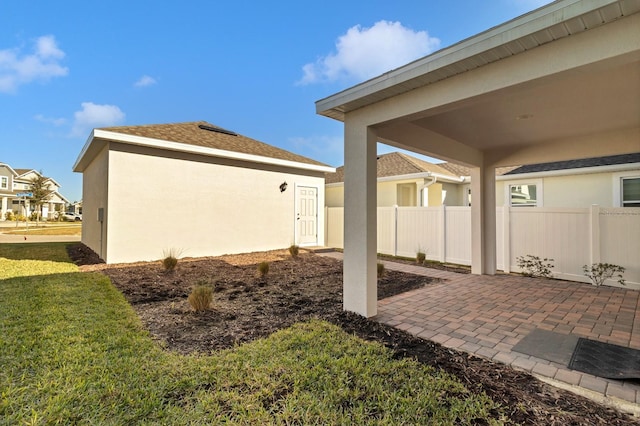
<point x="487" y="315"/>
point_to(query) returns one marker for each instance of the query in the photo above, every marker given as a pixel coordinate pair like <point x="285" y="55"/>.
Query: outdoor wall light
<point x="283" y="186"/>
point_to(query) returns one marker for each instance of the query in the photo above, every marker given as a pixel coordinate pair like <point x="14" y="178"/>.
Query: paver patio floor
<point x="487" y="315"/>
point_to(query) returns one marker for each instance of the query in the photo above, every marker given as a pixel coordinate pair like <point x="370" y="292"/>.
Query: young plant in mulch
<point x="598" y="273"/>
<point x="380" y="267"/>
<point x="263" y="269"/>
<point x="533" y="266"/>
<point x="294" y="250"/>
<point x="201" y="297"/>
<point x="170" y="259"/>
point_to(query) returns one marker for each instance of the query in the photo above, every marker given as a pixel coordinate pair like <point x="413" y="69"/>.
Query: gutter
<point x="568" y="172"/>
<point x="98" y="135"/>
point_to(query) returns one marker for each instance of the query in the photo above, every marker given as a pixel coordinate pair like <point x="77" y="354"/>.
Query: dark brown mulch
<point x="247" y="307"/>
<point x="431" y="264"/>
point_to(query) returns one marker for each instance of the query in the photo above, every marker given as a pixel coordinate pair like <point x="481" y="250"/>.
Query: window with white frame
<point x="524" y="194"/>
<point x="630" y="191"/>
<point x="4" y="182"/>
<point x="626" y="189"/>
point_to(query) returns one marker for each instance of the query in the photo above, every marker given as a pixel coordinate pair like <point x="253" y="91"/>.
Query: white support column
<point x="3" y="209"/>
<point x="360" y="227"/>
<point x="483" y="220"/>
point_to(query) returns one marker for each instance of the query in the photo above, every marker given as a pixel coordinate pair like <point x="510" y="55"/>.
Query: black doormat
<point x="549" y="345"/>
<point x="605" y="360"/>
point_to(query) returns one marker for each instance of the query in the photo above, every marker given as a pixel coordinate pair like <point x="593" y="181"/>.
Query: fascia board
<point x="523" y="26"/>
<point x="193" y="149"/>
<point x="424" y="175"/>
<point x="15" y="174"/>
<point x="570" y="172"/>
<point x="62" y="197"/>
<point x="83" y="152"/>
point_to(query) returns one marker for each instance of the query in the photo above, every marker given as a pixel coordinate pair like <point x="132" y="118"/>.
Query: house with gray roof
<point x="197" y="189"/>
<point x="404" y="180"/>
<point x="14" y="181"/>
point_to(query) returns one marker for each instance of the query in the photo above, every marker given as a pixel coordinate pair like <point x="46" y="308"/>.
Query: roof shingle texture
<point x="191" y="134"/>
<point x="578" y="164"/>
<point x="397" y="164"/>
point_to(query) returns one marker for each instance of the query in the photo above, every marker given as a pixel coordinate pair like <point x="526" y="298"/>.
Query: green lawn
<point x="49" y="228"/>
<point x="72" y="351"/>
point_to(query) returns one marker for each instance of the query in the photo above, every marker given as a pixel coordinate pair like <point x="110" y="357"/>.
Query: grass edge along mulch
<point x="73" y="351"/>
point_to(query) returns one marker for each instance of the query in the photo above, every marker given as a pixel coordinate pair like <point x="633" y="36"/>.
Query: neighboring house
<point x="75" y="207"/>
<point x="197" y="189"/>
<point x="403" y="180"/>
<point x="16" y="181"/>
<point x="610" y="181"/>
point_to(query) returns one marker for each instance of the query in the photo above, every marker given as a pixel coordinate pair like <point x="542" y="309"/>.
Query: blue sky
<point x="253" y="67"/>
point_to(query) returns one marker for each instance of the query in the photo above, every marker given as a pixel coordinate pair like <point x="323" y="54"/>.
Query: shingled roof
<point x="395" y="164"/>
<point x="610" y="160"/>
<point x="460" y="170"/>
<point x="203" y="134"/>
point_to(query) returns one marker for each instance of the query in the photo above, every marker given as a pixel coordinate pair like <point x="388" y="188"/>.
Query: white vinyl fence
<point x="573" y="237"/>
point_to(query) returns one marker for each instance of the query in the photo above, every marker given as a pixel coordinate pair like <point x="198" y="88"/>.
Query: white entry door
<point x="307" y="215"/>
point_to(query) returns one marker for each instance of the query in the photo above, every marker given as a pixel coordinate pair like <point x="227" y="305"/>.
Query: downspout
<point x="425" y="185"/>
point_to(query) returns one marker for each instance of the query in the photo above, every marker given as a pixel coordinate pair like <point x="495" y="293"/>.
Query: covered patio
<point x="490" y="315"/>
<point x="559" y="83"/>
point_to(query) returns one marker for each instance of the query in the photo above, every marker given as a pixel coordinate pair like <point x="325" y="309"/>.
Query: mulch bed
<point x="248" y="306"/>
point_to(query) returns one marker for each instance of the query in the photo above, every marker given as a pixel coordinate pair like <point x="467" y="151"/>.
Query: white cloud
<point x="42" y="64"/>
<point x="145" y="81"/>
<point x="93" y="115"/>
<point x="363" y="53"/>
<point x="50" y="120"/>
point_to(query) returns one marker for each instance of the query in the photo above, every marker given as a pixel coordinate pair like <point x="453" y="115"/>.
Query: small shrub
<point x="598" y="273"/>
<point x="200" y="298"/>
<point x="263" y="268"/>
<point x="380" y="269"/>
<point x="294" y="250"/>
<point x="420" y="257"/>
<point x="533" y="266"/>
<point x="170" y="259"/>
<point x="9" y="215"/>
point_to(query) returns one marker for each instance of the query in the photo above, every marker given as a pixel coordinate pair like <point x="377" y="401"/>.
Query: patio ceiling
<point x="566" y="106"/>
<point x="556" y="74"/>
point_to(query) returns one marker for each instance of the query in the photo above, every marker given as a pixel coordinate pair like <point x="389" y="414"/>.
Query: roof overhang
<point x="99" y="138"/>
<point x="413" y="176"/>
<point x="567" y="74"/>
<point x="10" y="168"/>
<point x="571" y="172"/>
<point x="550" y="23"/>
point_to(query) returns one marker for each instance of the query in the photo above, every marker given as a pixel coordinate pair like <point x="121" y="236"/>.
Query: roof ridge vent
<point x="217" y="129"/>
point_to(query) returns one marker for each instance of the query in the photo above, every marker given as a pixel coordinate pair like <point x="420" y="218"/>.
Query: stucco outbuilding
<point x="196" y="189"/>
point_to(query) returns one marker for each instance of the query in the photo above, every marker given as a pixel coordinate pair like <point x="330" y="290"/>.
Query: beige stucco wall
<point x="437" y="194"/>
<point x="578" y="191"/>
<point x="95" y="193"/>
<point x="198" y="206"/>
<point x="570" y="191"/>
<point x="334" y="196"/>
